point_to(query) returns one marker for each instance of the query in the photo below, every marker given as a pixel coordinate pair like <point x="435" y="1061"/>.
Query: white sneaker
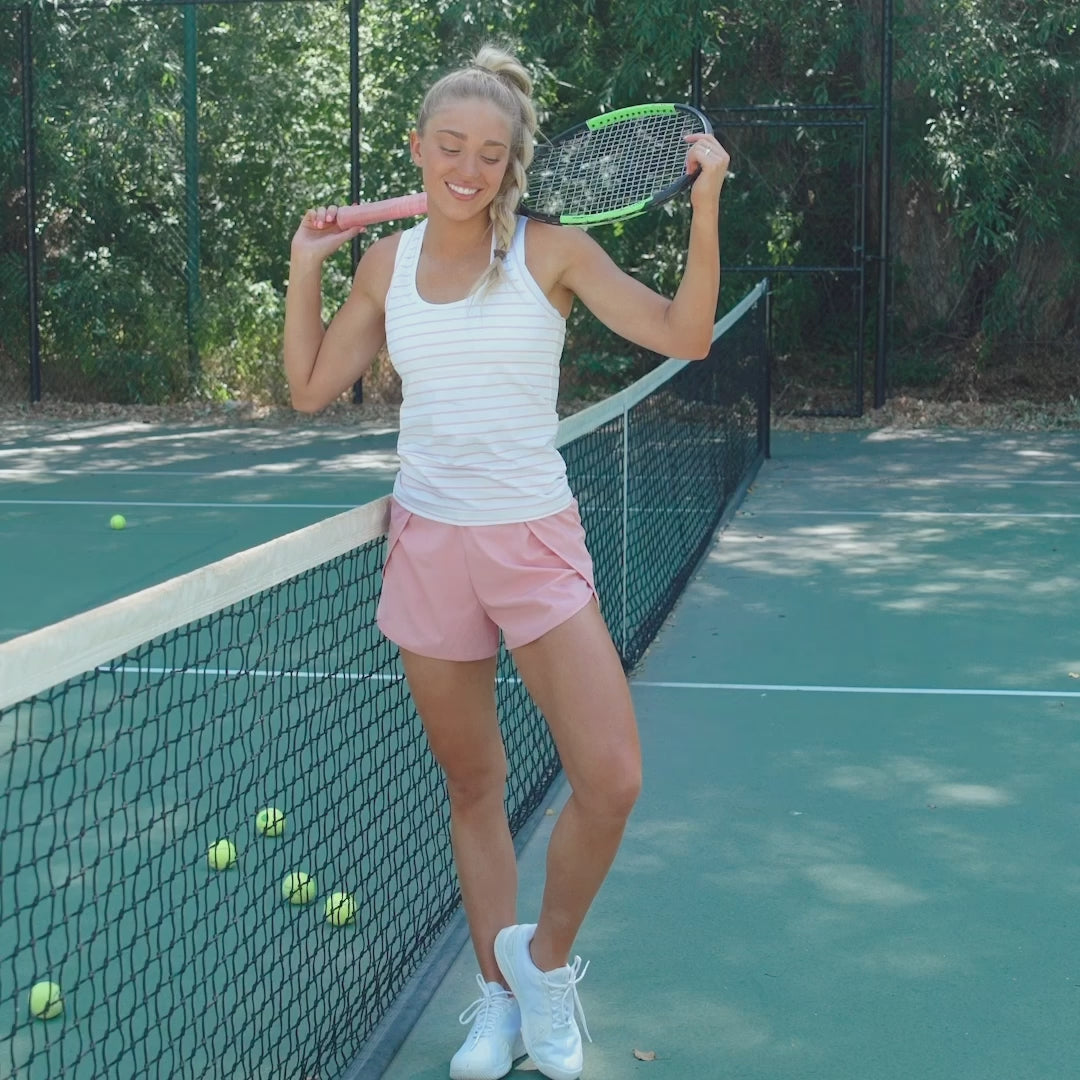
<point x="494" y="1040"/>
<point x="549" y="1004"/>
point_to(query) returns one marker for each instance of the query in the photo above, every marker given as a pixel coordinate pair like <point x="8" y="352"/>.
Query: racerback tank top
<point x="480" y="382"/>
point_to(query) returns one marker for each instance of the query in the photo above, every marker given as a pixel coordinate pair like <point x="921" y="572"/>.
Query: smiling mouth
<point x="463" y="192"/>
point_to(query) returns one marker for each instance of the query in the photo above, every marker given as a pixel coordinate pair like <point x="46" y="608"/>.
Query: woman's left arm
<point x="680" y="326"/>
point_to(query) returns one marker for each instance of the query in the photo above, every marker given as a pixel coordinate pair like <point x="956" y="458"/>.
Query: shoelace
<point x="565" y="1002"/>
<point x="486" y="1008"/>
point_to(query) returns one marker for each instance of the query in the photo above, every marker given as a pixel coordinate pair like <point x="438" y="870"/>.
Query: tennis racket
<point x="610" y="168"/>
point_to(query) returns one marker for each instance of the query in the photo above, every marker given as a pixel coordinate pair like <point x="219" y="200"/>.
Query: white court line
<point x="923" y="691"/>
<point x="995" y="515"/>
<point x="265" y="473"/>
<point x="206" y="474"/>
<point x="667" y="510"/>
<point x="780" y="688"/>
<point x="999" y="515"/>
<point x="180" y="505"/>
<point x="918" y="482"/>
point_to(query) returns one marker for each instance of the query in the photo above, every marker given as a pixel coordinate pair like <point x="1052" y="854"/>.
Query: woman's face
<point x="464" y="152"/>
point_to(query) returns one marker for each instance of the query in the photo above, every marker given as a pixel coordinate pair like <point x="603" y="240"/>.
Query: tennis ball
<point x="298" y="888"/>
<point x="222" y="854"/>
<point x="270" y="821"/>
<point x="117" y="521"/>
<point x="45" y="1001"/>
<point x="340" y="909"/>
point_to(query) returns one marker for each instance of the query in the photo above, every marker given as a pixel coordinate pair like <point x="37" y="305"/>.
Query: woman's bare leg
<point x="576" y="678"/>
<point x="456" y="702"/>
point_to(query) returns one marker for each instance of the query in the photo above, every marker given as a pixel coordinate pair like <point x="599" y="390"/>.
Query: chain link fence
<point x="795" y="208"/>
<point x="158" y="157"/>
<point x="158" y="153"/>
<point x="154" y="153"/>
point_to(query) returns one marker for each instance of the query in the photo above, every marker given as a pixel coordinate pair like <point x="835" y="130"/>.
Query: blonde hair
<point x="496" y="76"/>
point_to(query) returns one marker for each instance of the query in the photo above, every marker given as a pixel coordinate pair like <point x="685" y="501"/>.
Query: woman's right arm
<point x="322" y="363"/>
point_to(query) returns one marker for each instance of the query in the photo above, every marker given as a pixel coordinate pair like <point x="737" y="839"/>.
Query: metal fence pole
<point x="30" y="204"/>
<point x="861" y="262"/>
<point x="191" y="182"/>
<point x="354" y="115"/>
<point x="880" y="361"/>
<point x="354" y="143"/>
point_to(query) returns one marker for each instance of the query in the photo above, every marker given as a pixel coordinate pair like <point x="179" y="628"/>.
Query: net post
<point x="625" y="529"/>
<point x="765" y="403"/>
<point x="863" y="205"/>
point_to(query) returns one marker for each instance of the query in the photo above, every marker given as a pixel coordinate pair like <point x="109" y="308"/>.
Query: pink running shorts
<point x="449" y="589"/>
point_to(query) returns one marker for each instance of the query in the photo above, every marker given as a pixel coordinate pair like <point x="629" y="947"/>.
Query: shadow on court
<point x="190" y="496"/>
<point x="855" y="855"/>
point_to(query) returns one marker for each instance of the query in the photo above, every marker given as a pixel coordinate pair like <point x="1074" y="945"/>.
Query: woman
<point x="484" y="532"/>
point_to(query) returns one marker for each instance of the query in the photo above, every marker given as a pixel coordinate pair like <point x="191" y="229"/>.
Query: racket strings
<point x="607" y="169"/>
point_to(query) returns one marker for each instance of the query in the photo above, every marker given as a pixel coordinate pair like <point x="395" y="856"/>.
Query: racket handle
<point x="385" y="210"/>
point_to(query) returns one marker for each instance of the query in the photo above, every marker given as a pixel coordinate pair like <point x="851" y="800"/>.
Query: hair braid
<point x="503" y="213"/>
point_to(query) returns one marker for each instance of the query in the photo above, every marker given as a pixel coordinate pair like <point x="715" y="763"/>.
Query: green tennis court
<point x="855" y="850"/>
<point x="855" y="855"/>
<point x="190" y="495"/>
<point x="135" y="736"/>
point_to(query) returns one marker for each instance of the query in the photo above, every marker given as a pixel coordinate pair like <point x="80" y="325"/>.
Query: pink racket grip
<point x="385" y="210"/>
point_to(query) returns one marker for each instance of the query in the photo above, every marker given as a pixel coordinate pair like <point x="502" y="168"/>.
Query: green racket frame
<point x="640" y="206"/>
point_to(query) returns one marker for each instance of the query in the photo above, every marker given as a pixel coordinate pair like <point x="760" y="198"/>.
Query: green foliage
<point x="13" y="328"/>
<point x="986" y="100"/>
<point x="763" y="54"/>
<point x="980" y="64"/>
<point x="273" y="140"/>
<point x="241" y="352"/>
<point x="115" y="235"/>
<point x="608" y="54"/>
<point x="993" y="90"/>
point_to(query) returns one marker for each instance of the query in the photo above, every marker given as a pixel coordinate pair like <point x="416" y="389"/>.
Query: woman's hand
<point x="710" y="161"/>
<point x="319" y="235"/>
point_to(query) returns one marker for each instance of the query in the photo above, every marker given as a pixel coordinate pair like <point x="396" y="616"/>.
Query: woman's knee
<point x="476" y="784"/>
<point x="612" y="789"/>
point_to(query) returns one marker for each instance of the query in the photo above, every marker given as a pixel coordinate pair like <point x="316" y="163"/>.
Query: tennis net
<point x="135" y="736"/>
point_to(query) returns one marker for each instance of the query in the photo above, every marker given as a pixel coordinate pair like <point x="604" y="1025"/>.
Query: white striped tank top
<point x="480" y="381"/>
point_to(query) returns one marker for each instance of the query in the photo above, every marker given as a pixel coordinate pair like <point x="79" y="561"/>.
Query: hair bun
<point x="504" y="65"/>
